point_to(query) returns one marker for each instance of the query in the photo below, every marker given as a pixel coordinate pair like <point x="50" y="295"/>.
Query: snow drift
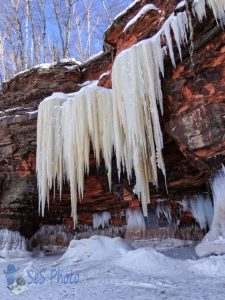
<point x="95" y="248"/>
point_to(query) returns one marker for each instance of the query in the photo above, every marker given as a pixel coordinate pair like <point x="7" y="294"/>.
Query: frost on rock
<point x="50" y="239"/>
<point x="67" y="126"/>
<point x="214" y="240"/>
<point x="101" y="220"/>
<point x="12" y="244"/>
<point x="201" y="208"/>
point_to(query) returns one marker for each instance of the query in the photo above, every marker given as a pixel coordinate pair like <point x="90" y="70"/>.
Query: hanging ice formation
<point x="101" y="219"/>
<point x="214" y="240"/>
<point x="67" y="124"/>
<point x="217" y="7"/>
<point x="201" y="208"/>
<point x="135" y="219"/>
<point x="163" y="210"/>
<point x="136" y="93"/>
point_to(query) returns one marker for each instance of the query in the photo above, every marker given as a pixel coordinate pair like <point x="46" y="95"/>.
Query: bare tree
<point x="63" y="18"/>
<point x="36" y="31"/>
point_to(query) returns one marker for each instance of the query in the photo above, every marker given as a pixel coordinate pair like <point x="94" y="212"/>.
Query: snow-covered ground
<point x="104" y="268"/>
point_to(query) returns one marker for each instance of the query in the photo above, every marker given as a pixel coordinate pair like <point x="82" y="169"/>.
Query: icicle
<point x="201" y="209"/>
<point x="101" y="219"/>
<point x="135" y="220"/>
<point x="163" y="209"/>
<point x="49" y="151"/>
<point x="199" y="9"/>
<point x="217" y="6"/>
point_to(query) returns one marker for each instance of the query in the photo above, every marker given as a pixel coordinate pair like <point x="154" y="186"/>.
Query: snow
<point x="144" y="10"/>
<point x="66" y="60"/>
<point x="111" y="269"/>
<point x="13" y="109"/>
<point x="126" y="9"/>
<point x="32" y="112"/>
<point x="44" y="66"/>
<point x="95" y="248"/>
<point x="180" y="4"/>
<point x="47" y="66"/>
<point x="104" y="74"/>
<point x="214" y="241"/>
<point x="94" y="56"/>
<point x="89" y="82"/>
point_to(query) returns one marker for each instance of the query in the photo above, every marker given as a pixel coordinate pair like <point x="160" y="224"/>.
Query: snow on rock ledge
<point x="146" y="9"/>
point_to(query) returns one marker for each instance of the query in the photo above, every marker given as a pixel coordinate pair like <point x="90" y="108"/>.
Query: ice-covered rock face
<point x="50" y="239"/>
<point x="214" y="241"/>
<point x="12" y="244"/>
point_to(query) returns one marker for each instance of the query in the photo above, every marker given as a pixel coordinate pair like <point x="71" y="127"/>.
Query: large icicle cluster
<point x="136" y="93"/>
<point x="69" y="124"/>
<point x="214" y="241"/>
